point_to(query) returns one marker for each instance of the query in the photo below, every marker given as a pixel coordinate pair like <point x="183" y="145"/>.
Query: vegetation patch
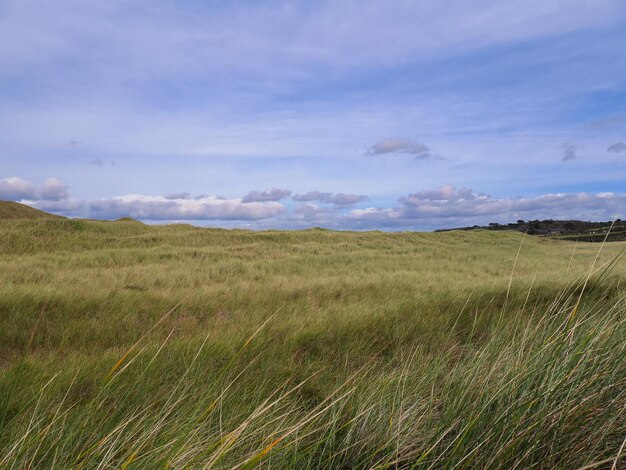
<point x="124" y="345"/>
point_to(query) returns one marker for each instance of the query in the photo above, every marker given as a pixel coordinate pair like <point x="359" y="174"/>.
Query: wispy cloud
<point x="265" y="34"/>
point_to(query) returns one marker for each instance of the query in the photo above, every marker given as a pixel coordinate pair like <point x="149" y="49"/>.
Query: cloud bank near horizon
<point x="427" y="209"/>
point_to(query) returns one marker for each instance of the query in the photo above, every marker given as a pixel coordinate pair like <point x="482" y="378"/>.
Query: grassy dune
<point x="13" y="210"/>
<point x="129" y="346"/>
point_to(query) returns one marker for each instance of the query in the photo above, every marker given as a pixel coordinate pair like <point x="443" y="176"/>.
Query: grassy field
<point x="129" y="346"/>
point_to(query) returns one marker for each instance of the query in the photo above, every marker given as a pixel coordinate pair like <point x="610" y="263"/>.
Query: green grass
<point x="130" y="346"/>
<point x="13" y="210"/>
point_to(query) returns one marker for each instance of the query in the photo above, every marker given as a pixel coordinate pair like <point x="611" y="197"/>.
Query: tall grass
<point x="373" y="370"/>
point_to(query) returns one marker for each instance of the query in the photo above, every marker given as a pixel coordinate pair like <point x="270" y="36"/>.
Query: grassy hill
<point x="132" y="346"/>
<point x="13" y="210"/>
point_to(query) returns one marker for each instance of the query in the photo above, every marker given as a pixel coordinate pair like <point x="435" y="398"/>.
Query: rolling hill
<point x="15" y="210"/>
<point x="124" y="345"/>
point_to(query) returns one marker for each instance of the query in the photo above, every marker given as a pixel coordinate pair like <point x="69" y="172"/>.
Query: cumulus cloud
<point x="53" y="189"/>
<point x="339" y="199"/>
<point x="272" y="194"/>
<point x="465" y="205"/>
<point x="53" y="196"/>
<point x="17" y="189"/>
<point x="569" y="152"/>
<point x="312" y="214"/>
<point x="617" y="147"/>
<point x="97" y="162"/>
<point x="139" y="206"/>
<point x="69" y="207"/>
<point x="405" y="146"/>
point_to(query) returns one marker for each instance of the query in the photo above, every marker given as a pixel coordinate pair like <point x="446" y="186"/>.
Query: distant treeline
<point x="564" y="229"/>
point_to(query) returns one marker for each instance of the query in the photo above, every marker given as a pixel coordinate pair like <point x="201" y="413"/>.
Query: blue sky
<point x="394" y="115"/>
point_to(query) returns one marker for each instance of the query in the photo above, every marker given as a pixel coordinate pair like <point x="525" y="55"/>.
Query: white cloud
<point x="312" y="214"/>
<point x="53" y="196"/>
<point x="53" y="189"/>
<point x="447" y="205"/>
<point x="67" y="207"/>
<point x="17" y="189"/>
<point x="441" y="207"/>
<point x="160" y="208"/>
<point x="375" y="215"/>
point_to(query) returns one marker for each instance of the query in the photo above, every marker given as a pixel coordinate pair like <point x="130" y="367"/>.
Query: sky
<point x="352" y="115"/>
